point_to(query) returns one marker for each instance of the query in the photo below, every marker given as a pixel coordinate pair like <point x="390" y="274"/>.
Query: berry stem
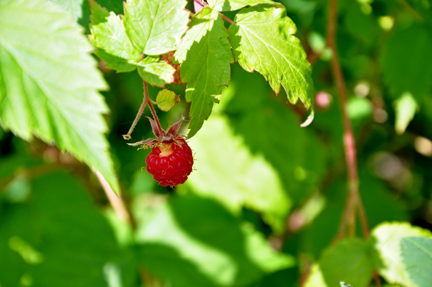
<point x="149" y="102"/>
<point x="138" y="116"/>
<point x="353" y="202"/>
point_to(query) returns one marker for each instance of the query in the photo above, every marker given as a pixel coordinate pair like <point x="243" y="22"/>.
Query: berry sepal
<point x="162" y="136"/>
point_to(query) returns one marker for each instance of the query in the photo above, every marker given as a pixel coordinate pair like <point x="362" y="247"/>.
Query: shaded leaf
<point x="49" y="88"/>
<point x="155" y="26"/>
<point x="205" y="55"/>
<point x="387" y="237"/>
<point x="262" y="40"/>
<point x="403" y="61"/>
<point x="417" y="257"/>
<point x="350" y="261"/>
<point x="166" y="99"/>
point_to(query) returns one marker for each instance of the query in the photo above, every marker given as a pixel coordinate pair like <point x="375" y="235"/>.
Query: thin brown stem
<point x="115" y="200"/>
<point x="226" y="18"/>
<point x="149" y="102"/>
<point x="377" y="279"/>
<point x="138" y="116"/>
<point x="353" y="199"/>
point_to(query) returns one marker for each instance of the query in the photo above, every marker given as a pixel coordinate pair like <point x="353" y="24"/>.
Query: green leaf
<point x="403" y="62"/>
<point x="262" y="40"/>
<point x="205" y="54"/>
<point x="315" y="277"/>
<point x="231" y="5"/>
<point x="405" y="109"/>
<point x="387" y="237"/>
<point x="58" y="238"/>
<point x="155" y="71"/>
<point x="166" y="99"/>
<point x="193" y="241"/>
<point x="350" y="261"/>
<point x="49" y="83"/>
<point x="236" y="177"/>
<point x="155" y="26"/>
<point x="417" y="258"/>
<point x="110" y="38"/>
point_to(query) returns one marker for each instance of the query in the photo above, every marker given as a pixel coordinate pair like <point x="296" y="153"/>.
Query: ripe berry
<point x="170" y="163"/>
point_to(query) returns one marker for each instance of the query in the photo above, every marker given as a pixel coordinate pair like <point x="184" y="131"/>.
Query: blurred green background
<point x="266" y="196"/>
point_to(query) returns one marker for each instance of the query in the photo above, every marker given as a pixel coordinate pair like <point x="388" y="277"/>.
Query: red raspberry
<point x="170" y="163"/>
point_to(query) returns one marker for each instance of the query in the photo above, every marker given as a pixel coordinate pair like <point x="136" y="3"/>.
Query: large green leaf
<point x="403" y="62"/>
<point x="155" y="26"/>
<point x="387" y="237"/>
<point x="350" y="261"/>
<point x="205" y="54"/>
<point x="193" y="241"/>
<point x="230" y="5"/>
<point x="49" y="83"/>
<point x="236" y="177"/>
<point x="58" y="238"/>
<point x="262" y="40"/>
<point x="110" y="38"/>
<point x="417" y="258"/>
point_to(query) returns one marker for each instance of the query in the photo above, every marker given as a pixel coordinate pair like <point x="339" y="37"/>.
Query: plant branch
<point x="115" y="200"/>
<point x="149" y="102"/>
<point x="226" y="18"/>
<point x="138" y="116"/>
<point x="353" y="198"/>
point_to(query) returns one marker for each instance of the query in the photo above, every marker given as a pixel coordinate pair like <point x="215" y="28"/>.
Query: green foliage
<point x="230" y="5"/>
<point x="204" y="244"/>
<point x="387" y="240"/>
<point x="166" y="99"/>
<point x="416" y="255"/>
<point x="260" y="42"/>
<point x="50" y="90"/>
<point x="350" y="260"/>
<point x="206" y="43"/>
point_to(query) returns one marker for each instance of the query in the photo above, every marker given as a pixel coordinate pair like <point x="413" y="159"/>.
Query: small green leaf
<point x="155" y="26"/>
<point x="166" y="99"/>
<point x="262" y="40"/>
<point x="110" y="38"/>
<point x="387" y="237"/>
<point x="350" y="261"/>
<point x="50" y="88"/>
<point x="155" y="71"/>
<point x="231" y="5"/>
<point x="417" y="258"/>
<point x="405" y="109"/>
<point x="205" y="54"/>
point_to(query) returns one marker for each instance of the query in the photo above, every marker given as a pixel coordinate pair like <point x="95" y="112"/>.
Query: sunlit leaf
<point x="387" y="238"/>
<point x="405" y="108"/>
<point x="262" y="40"/>
<point x="155" y="26"/>
<point x="205" y="54"/>
<point x="166" y="99"/>
<point x="49" y="83"/>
